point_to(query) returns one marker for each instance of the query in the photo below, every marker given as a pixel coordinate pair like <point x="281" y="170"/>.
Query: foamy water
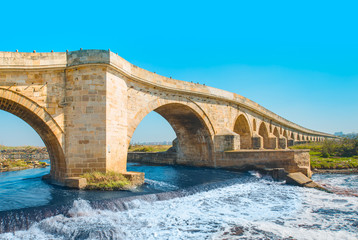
<point x="254" y="209"/>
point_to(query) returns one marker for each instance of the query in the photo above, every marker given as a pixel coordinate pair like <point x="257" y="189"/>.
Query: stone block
<point x="136" y="178"/>
<point x="257" y="142"/>
<point x="279" y="174"/>
<point x="298" y="179"/>
<point x="273" y="143"/>
<point x="227" y="142"/>
<point x="76" y="182"/>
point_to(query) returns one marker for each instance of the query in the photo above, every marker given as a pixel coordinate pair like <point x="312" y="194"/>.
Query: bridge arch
<point x="242" y="128"/>
<point x="42" y="122"/>
<point x="277" y="135"/>
<point x="264" y="133"/>
<point x="285" y="134"/>
<point x="191" y="125"/>
<point x="299" y="136"/>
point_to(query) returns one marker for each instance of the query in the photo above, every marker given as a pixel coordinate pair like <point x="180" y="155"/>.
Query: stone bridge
<point x="86" y="104"/>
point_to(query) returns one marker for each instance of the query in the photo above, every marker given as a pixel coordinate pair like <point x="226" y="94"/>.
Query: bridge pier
<point x="257" y="142"/>
<point x="86" y="105"/>
<point x="273" y="142"/>
<point x="226" y="142"/>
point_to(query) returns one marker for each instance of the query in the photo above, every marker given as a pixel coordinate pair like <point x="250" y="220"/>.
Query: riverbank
<point x="339" y="156"/>
<point x="21" y="158"/>
<point x="23" y="152"/>
<point x="148" y="148"/>
<point x="20" y="164"/>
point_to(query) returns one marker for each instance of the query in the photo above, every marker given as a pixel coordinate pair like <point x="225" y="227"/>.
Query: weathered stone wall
<point x="153" y="158"/>
<point x="85" y="113"/>
<point x="290" y="160"/>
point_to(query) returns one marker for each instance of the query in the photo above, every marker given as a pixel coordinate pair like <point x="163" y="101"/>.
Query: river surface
<point x="187" y="203"/>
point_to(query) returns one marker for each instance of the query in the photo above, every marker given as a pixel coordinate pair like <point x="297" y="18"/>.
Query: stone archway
<point x="42" y="123"/>
<point x="242" y="128"/>
<point x="195" y="140"/>
<point x="263" y="132"/>
<point x="277" y="135"/>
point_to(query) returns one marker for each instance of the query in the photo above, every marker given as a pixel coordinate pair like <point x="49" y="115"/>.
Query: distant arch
<point x="277" y="135"/>
<point x="42" y="122"/>
<point x="242" y="128"/>
<point x="263" y="132"/>
<point x="293" y="136"/>
<point x="285" y="134"/>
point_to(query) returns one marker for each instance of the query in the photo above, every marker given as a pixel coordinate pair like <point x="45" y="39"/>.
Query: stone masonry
<point x="86" y="105"/>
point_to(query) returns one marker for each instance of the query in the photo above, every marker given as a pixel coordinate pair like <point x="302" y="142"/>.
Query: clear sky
<point x="299" y="59"/>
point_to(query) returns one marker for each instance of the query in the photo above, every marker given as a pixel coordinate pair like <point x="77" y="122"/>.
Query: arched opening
<point x="243" y="129"/>
<point x="263" y="132"/>
<point x="194" y="141"/>
<point x="254" y="124"/>
<point x="293" y="136"/>
<point x="285" y="133"/>
<point x="54" y="149"/>
<point x="277" y="135"/>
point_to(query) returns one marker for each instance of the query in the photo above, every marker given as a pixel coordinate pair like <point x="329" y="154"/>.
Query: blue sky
<point x="299" y="59"/>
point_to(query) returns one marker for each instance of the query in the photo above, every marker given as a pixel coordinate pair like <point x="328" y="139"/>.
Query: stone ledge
<point x="136" y="178"/>
<point x="76" y="182"/>
<point x="299" y="179"/>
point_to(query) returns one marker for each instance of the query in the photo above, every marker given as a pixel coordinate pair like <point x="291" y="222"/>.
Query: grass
<point x="148" y="148"/>
<point x="319" y="162"/>
<point x="332" y="154"/>
<point x="20" y="163"/>
<point x="16" y="163"/>
<point x="106" y="181"/>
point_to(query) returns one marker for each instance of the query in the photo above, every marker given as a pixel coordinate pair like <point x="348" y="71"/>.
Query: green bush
<point x="344" y="147"/>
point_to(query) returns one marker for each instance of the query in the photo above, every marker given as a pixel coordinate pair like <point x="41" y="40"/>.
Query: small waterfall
<point x="22" y="219"/>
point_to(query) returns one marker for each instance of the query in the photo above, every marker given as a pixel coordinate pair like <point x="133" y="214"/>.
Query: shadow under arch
<point x="293" y="136"/>
<point x="242" y="128"/>
<point x="263" y="132"/>
<point x="42" y="122"/>
<point x="195" y="140"/>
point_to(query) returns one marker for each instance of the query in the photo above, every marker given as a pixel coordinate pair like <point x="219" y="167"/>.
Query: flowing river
<point x="180" y="203"/>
